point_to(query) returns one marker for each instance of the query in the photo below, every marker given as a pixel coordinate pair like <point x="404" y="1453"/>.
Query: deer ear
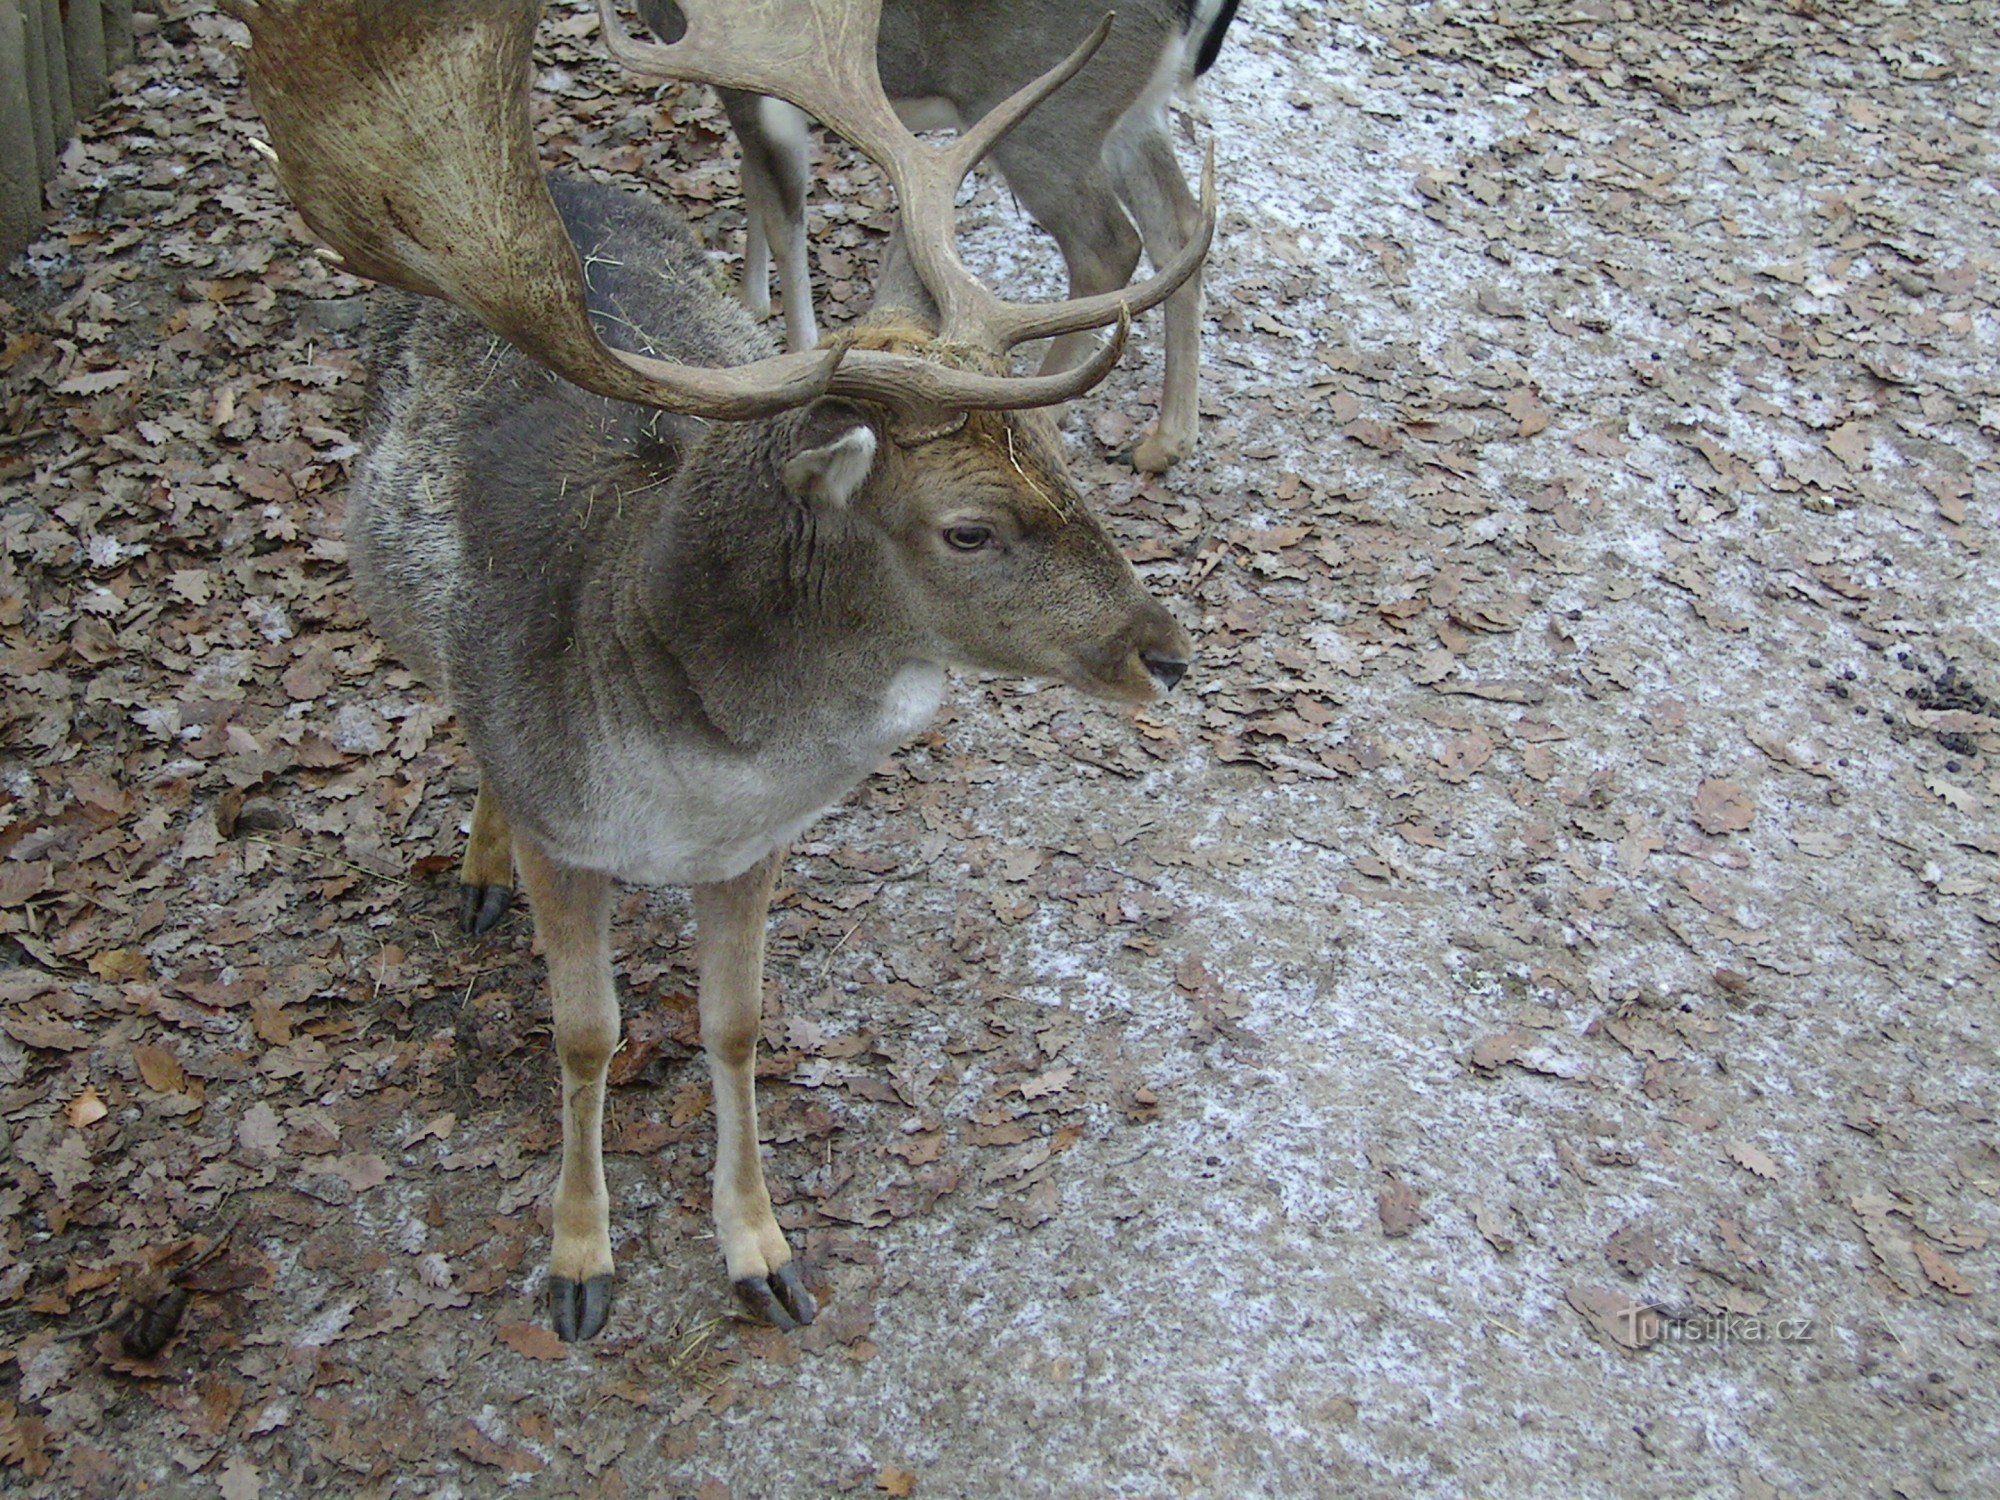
<point x="833" y="470"/>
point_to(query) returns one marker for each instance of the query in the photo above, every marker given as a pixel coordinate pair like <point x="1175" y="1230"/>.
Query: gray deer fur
<point x="671" y="643"/>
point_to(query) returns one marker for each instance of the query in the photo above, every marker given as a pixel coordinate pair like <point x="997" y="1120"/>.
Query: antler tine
<point x="1017" y="322"/>
<point x="970" y="149"/>
<point x="403" y="137"/>
<point x="903" y="381"/>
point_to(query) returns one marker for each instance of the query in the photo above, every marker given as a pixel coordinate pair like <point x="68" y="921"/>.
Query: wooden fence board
<point x="20" y="166"/>
<point x="56" y="61"/>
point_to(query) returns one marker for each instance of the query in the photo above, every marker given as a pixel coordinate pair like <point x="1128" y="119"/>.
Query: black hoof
<point x="480" y="907"/>
<point x="579" y="1308"/>
<point x="780" y="1299"/>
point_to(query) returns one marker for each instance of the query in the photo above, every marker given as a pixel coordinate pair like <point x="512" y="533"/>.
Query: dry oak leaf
<point x="535" y="1340"/>
<point x="1399" y="1209"/>
<point x="1750" y="1159"/>
<point x="1723" y="807"/>
<point x="1960" y="799"/>
<point x="160" y="1069"/>
<point x="1942" y="1273"/>
<point x="481" y="1449"/>
<point x="896" y="1483"/>
<point x="1627" y="1322"/>
<point x="1052" y="1082"/>
<point x="1495" y="1052"/>
<point x="1526" y="408"/>
<point x="1850" y="442"/>
<point x="1775" y="746"/>
<point x="19" y="881"/>
<point x="241" y="1480"/>
<point x="259" y="1129"/>
<point x="1893" y="1249"/>
<point x="45" y="1032"/>
<point x="1493" y="1223"/>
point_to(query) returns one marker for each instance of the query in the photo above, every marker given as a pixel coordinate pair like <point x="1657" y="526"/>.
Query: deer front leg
<point x="486" y="876"/>
<point x="729" y="939"/>
<point x="572" y="917"/>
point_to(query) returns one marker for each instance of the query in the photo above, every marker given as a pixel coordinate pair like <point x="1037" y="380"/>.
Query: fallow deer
<point x="1098" y="158"/>
<point x="682" y="592"/>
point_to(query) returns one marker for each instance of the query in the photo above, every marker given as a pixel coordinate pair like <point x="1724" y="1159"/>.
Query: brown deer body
<point x="1091" y="165"/>
<point x="672" y="641"/>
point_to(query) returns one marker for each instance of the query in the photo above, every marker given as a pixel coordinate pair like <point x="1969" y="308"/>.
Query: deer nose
<point x="1165" y="670"/>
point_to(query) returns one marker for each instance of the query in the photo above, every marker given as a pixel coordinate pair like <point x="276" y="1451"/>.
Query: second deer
<point x="1088" y="166"/>
<point x="682" y="592"/>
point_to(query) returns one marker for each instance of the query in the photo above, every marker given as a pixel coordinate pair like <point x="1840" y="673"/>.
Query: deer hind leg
<point x="1151" y="186"/>
<point x="486" y="875"/>
<point x="1078" y="205"/>
<point x="776" y="159"/>
<point x="729" y="939"/>
<point x="572" y="917"/>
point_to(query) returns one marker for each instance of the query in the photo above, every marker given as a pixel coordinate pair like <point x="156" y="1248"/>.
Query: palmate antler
<point x="401" y="131"/>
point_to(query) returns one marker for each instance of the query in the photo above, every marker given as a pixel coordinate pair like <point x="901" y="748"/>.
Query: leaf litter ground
<point x="1523" y="1017"/>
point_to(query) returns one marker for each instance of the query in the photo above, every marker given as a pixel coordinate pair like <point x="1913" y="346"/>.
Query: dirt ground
<point x="1521" y="1020"/>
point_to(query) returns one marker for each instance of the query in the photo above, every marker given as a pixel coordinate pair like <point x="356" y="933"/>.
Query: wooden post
<point x="40" y="125"/>
<point x="118" y="44"/>
<point x="83" y="40"/>
<point x="20" y="174"/>
<point x="55" y="65"/>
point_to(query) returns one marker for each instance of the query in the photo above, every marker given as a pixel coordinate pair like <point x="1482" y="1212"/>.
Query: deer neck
<point x="782" y="618"/>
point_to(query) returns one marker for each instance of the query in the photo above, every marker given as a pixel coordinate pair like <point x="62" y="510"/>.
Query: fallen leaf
<point x="1493" y="1052"/>
<point x="1850" y="443"/>
<point x="1723" y="807"/>
<point x="896" y="1483"/>
<point x="535" y="1340"/>
<point x="1893" y="1249"/>
<point x="1494" y="1224"/>
<point x="481" y="1449"/>
<point x="1775" y="746"/>
<point x="1399" y="1208"/>
<point x="1752" y="1160"/>
<point x="1526" y="408"/>
<point x="1942" y="1273"/>
<point x="241" y="1480"/>
<point x="1959" y="798"/>
<point x="87" y="1109"/>
<point x="21" y="880"/>
<point x="259" y="1129"/>
<point x="47" y="1033"/>
<point x="160" y="1069"/>
<point x="1051" y="1082"/>
<point x="1624" y="1320"/>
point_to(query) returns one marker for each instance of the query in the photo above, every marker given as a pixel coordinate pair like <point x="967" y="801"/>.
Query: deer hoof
<point x="780" y="1299"/>
<point x="480" y="907"/>
<point x="579" y="1308"/>
<point x="1156" y="455"/>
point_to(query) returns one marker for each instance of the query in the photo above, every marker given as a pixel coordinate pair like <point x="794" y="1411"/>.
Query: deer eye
<point x="968" y="538"/>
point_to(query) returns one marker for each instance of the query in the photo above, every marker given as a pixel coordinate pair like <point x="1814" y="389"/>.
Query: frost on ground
<point x="1521" y="1020"/>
